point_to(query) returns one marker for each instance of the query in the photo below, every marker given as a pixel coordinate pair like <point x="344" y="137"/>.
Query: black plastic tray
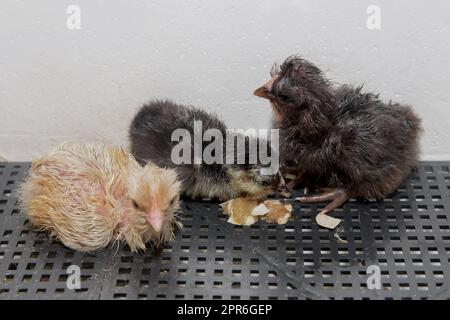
<point x="407" y="236"/>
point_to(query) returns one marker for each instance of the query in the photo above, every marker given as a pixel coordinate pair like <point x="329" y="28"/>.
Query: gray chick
<point x="150" y="135"/>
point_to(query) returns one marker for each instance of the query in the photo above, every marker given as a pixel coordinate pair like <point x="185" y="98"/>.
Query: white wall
<point x="58" y="84"/>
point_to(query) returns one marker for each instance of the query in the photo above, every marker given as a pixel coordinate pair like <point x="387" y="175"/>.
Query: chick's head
<point x="154" y="203"/>
<point x="296" y="85"/>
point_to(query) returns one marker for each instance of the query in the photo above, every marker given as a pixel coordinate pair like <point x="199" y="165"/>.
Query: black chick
<point x="339" y="138"/>
<point x="150" y="136"/>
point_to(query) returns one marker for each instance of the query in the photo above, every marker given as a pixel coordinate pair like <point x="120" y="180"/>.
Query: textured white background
<point x="57" y="84"/>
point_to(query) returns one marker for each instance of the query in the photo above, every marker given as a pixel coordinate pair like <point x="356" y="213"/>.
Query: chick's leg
<point x="326" y="196"/>
<point x="281" y="182"/>
<point x="340" y="198"/>
<point x="294" y="182"/>
<point x="300" y="179"/>
<point x="337" y="198"/>
<point x="282" y="188"/>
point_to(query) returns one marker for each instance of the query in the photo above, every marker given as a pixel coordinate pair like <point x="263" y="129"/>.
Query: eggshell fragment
<point x="260" y="210"/>
<point x="247" y="222"/>
<point x="326" y="221"/>
<point x="279" y="213"/>
<point x="240" y="211"/>
<point x="246" y="212"/>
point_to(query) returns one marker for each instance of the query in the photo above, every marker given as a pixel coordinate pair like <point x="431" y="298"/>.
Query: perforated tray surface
<point x="407" y="236"/>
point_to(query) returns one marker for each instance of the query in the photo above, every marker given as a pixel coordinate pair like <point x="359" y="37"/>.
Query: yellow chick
<point x="87" y="195"/>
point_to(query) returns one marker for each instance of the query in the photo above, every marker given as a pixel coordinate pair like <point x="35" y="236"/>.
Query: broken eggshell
<point x="278" y="212"/>
<point x="326" y="221"/>
<point x="245" y="212"/>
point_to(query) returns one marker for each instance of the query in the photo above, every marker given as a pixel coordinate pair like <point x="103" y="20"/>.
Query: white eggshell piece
<point x="231" y="220"/>
<point x="326" y="221"/>
<point x="284" y="219"/>
<point x="249" y="221"/>
<point x="260" y="210"/>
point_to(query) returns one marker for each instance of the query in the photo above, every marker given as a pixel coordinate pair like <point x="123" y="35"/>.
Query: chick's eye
<point x="135" y="205"/>
<point x="283" y="97"/>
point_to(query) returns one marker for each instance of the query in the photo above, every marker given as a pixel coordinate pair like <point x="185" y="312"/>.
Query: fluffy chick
<point x="150" y="138"/>
<point x="342" y="138"/>
<point x="87" y="195"/>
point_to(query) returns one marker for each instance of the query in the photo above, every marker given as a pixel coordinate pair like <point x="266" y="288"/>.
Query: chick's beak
<point x="266" y="90"/>
<point x="156" y="218"/>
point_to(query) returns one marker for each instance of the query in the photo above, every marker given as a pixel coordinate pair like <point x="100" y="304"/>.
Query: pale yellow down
<point x="83" y="195"/>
